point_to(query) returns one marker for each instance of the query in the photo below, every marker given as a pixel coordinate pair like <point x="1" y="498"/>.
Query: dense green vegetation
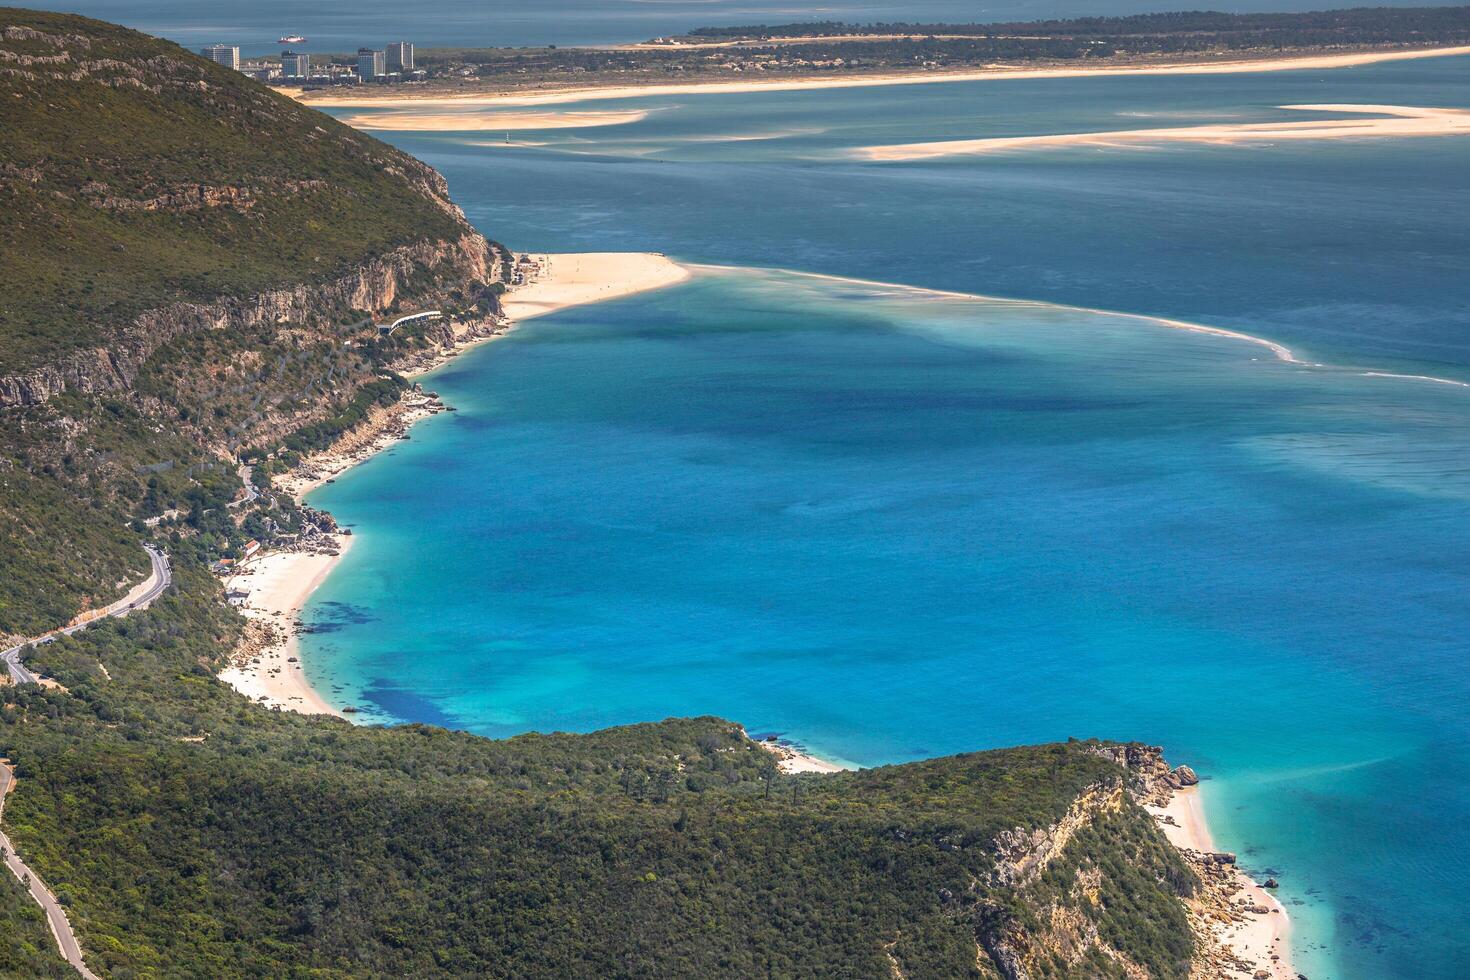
<point x="26" y="946"/>
<point x="92" y="238"/>
<point x="279" y="845"/>
<point x="135" y="175"/>
<point x="189" y="833"/>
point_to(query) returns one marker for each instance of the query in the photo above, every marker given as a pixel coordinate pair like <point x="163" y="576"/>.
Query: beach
<point x="273" y="587"/>
<point x="1224" y="907"/>
<point x="589" y="93"/>
<point x="793" y="760"/>
<point x="278" y="585"/>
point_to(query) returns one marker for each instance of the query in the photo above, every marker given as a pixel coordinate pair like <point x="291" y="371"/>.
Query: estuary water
<point x="882" y="478"/>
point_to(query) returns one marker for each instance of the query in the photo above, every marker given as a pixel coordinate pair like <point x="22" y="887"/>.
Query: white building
<point x="223" y="54"/>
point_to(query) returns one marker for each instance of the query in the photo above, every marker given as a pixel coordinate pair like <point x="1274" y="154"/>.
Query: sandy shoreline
<point x="1253" y="937"/>
<point x="794" y="760"/>
<point x="559" y="96"/>
<point x="267" y="668"/>
<point x="279" y="584"/>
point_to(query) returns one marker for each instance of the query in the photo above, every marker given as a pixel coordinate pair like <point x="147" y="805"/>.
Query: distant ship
<point x="291" y="39"/>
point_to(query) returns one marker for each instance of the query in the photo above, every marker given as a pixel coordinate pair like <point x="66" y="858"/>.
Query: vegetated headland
<point x="202" y="285"/>
<point x="831" y="52"/>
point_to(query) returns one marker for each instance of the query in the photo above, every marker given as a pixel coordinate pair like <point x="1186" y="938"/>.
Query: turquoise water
<point x="894" y="523"/>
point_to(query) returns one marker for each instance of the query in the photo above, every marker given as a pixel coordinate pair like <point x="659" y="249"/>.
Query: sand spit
<point x="559" y="96"/>
<point x="578" y="278"/>
<point x="465" y="122"/>
<point x="1383" y="122"/>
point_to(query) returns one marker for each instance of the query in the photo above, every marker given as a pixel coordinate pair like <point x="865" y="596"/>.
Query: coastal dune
<point x="1382" y="122"/>
<point x="457" y="122"/>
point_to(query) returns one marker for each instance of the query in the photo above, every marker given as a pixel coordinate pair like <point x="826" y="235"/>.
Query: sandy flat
<point x="1259" y="937"/>
<point x="424" y="122"/>
<point x="577" y="278"/>
<point x="789" y="84"/>
<point x="1382" y="122"/>
<point x="279" y="584"/>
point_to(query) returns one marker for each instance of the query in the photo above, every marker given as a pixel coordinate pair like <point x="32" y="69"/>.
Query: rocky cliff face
<point x="1057" y="896"/>
<point x="1150" y="778"/>
<point x="372" y="287"/>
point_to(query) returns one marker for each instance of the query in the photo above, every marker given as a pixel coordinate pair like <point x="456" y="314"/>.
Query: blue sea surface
<point x="893" y="522"/>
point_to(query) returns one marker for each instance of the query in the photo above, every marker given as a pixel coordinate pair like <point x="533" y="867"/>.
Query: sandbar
<point x="463" y="122"/>
<point x="1381" y="122"/>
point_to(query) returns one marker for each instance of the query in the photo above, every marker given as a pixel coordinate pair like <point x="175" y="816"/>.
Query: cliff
<point x="373" y="287"/>
<point x="146" y="193"/>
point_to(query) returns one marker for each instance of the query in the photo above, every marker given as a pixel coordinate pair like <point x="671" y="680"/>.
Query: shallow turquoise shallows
<point x="892" y="523"/>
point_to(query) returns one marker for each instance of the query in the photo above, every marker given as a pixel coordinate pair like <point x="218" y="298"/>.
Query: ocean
<point x="815" y="491"/>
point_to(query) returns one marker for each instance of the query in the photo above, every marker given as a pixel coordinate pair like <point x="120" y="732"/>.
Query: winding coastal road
<point x="141" y="596"/>
<point x="66" y="940"/>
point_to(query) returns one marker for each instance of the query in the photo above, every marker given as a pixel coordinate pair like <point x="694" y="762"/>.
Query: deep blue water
<point x="893" y="523"/>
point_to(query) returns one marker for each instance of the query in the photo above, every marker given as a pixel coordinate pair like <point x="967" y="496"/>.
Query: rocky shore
<point x="1240" y="928"/>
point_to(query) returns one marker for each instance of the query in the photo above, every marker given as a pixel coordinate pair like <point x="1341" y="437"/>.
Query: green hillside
<point x="133" y="174"/>
<point x="148" y="199"/>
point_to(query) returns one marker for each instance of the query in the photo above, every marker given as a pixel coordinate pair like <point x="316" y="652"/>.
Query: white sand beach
<point x="793" y="760"/>
<point x="279" y="584"/>
<point x="269" y="670"/>
<point x="578" y="278"/>
<point x="1259" y="939"/>
<point x="1382" y="122"/>
<point x="998" y="73"/>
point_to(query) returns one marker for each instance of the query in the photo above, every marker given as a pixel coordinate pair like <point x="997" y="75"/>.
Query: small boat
<point x="291" y="39"/>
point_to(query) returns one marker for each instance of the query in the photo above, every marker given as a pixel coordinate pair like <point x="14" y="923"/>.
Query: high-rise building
<point x="223" y="54"/>
<point x="295" y="65"/>
<point x="400" y="56"/>
<point x="370" y="63"/>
